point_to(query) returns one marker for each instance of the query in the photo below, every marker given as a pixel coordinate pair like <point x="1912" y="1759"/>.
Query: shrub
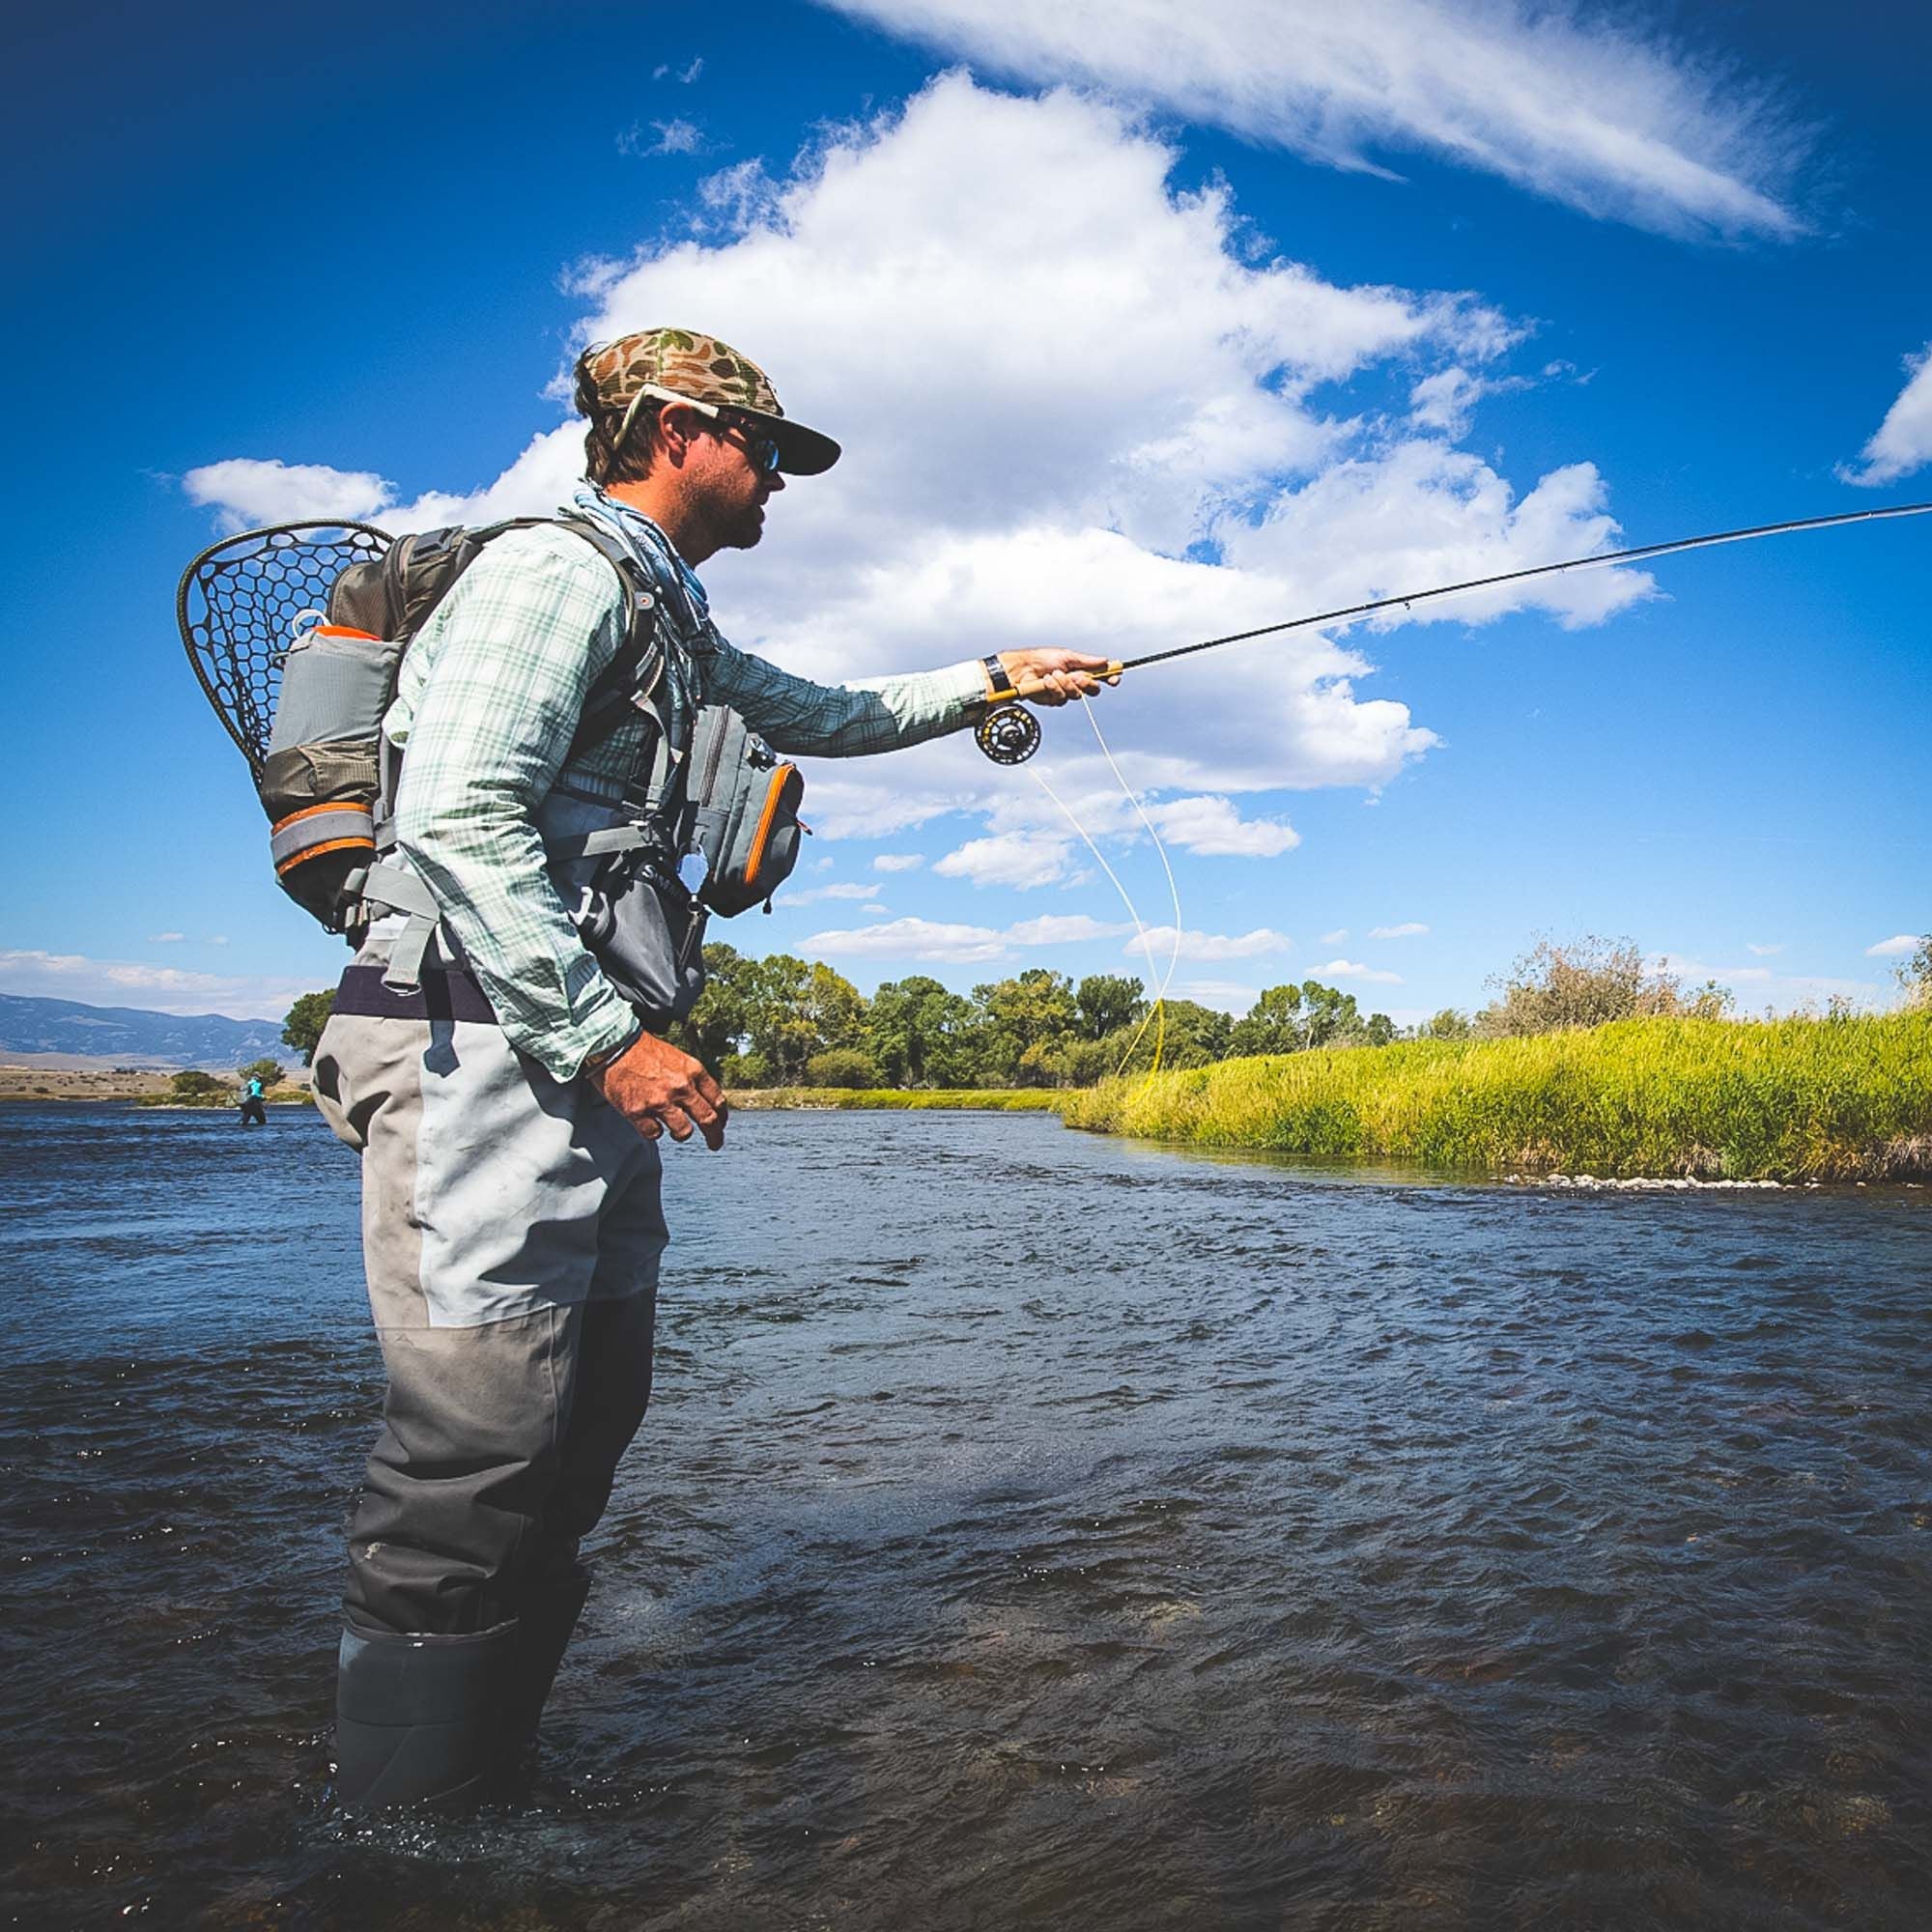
<point x="841" y="1066"/>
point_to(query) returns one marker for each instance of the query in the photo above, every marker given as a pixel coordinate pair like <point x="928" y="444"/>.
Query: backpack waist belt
<point x="451" y="994"/>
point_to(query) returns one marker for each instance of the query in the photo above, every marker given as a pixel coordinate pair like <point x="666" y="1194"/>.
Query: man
<point x="254" y="1106"/>
<point x="508" y="1112"/>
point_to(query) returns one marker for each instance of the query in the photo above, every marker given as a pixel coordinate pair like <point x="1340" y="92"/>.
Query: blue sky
<point x="1139" y="323"/>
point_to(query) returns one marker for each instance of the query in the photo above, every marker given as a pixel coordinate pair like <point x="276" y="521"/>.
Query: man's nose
<point x="774" y="482"/>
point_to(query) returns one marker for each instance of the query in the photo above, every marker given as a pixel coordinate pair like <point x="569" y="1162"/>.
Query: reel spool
<point x="1008" y="734"/>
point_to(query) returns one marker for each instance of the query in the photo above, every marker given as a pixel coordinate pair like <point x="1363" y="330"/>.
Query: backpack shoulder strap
<point x="617" y="693"/>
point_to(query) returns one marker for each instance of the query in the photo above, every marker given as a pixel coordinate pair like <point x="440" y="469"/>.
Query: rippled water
<point x="1029" y="1530"/>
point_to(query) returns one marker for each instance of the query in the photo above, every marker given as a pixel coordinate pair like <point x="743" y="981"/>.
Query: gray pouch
<point x="648" y="933"/>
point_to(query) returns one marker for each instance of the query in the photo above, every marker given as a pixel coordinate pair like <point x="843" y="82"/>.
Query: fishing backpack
<point x="297" y="635"/>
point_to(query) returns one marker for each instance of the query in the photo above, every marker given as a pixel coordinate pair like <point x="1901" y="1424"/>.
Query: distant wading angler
<point x="254" y="1108"/>
<point x="487" y="1057"/>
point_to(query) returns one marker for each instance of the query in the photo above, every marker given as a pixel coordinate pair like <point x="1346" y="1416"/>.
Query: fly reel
<point x="1008" y="734"/>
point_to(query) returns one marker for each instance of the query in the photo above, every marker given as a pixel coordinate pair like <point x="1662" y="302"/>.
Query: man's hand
<point x="653" y="1087"/>
<point x="1053" y="676"/>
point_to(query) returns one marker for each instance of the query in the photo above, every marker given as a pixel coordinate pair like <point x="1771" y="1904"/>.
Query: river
<point x="1030" y="1529"/>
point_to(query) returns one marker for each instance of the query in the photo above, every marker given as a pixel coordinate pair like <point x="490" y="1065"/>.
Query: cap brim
<point x="802" y="451"/>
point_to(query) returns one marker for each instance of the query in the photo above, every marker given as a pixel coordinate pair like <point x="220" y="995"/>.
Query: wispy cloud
<point x="165" y="938"/>
<point x="662" y="137"/>
<point x="898" y="862"/>
<point x="957" y="943"/>
<point x="1903" y="442"/>
<point x="128" y="982"/>
<point x="1211" y="945"/>
<point x="1764" y="951"/>
<point x="1587" y="107"/>
<point x="843" y="891"/>
<point x="1898" y="943"/>
<point x="1409" y="929"/>
<point x="1353" y="969"/>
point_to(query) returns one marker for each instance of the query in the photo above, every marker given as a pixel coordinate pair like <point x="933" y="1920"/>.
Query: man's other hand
<point x="1053" y="676"/>
<point x="653" y="1087"/>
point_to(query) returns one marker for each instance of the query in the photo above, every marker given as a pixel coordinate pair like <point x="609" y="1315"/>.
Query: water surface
<point x="1030" y="1529"/>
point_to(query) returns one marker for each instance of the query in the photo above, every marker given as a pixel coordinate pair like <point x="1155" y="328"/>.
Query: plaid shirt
<point x="487" y="701"/>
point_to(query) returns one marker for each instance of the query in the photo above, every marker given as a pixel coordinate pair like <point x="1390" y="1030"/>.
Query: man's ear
<point x="676" y="426"/>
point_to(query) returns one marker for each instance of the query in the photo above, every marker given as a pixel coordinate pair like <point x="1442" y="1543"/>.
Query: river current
<point x="1030" y="1529"/>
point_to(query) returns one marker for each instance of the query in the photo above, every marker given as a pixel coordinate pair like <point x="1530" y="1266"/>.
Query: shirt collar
<point x="647" y="539"/>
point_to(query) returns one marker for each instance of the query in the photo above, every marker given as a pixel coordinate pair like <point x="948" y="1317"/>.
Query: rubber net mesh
<point x="241" y="604"/>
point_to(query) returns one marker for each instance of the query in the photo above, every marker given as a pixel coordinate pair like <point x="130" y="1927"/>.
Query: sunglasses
<point x="760" y="446"/>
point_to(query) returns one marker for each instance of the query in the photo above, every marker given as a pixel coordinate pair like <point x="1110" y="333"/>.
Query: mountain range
<point x="134" y="1037"/>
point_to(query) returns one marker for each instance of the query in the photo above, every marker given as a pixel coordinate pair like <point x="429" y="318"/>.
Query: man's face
<point x="725" y="483"/>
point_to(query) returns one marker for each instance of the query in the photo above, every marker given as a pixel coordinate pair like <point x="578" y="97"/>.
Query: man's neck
<point x="658" y="497"/>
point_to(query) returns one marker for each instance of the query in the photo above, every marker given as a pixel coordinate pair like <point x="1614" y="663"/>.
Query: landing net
<point x="240" y="604"/>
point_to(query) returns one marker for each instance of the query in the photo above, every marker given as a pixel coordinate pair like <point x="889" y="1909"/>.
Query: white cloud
<point x="1336" y="937"/>
<point x="1351" y="969"/>
<point x="1764" y="951"/>
<point x="1587" y="107"/>
<point x="834" y="891"/>
<point x="958" y="944"/>
<point x="1890" y="949"/>
<point x="671" y="138"/>
<point x="247" y="490"/>
<point x="1446" y="401"/>
<point x="1210" y="825"/>
<point x="1210" y="945"/>
<point x="1903" y="442"/>
<point x="1018" y="858"/>
<point x="164" y="989"/>
<point x="1197" y="385"/>
<point x="910" y="939"/>
<point x="1061" y="929"/>
<point x="1409" y="929"/>
<point x="898" y="862"/>
<point x="165" y="938"/>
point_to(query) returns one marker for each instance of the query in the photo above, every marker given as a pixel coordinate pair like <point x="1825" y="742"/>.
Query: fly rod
<point x="1010" y="736"/>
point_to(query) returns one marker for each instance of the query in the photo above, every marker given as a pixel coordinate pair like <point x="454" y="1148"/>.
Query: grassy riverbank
<point x="1714" y="1100"/>
<point x="979" y="1099"/>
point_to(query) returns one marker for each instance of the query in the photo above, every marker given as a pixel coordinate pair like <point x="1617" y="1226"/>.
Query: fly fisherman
<point x="508" y="1102"/>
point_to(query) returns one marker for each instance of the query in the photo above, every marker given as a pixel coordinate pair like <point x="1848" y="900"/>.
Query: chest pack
<point x="298" y="636"/>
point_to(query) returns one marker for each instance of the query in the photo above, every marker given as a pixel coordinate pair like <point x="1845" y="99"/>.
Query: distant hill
<point x="130" y="1034"/>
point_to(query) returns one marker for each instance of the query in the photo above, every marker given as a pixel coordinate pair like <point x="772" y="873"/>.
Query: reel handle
<point x="1034" y="686"/>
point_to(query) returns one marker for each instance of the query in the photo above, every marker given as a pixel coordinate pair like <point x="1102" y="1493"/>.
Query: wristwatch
<point x="1000" y="685"/>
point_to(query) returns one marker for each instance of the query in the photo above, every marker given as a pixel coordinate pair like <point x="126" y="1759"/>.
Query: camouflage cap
<point x="707" y="371"/>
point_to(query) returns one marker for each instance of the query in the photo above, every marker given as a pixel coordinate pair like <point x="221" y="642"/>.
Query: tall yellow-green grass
<point x="902" y="1099"/>
<point x="1798" y="1100"/>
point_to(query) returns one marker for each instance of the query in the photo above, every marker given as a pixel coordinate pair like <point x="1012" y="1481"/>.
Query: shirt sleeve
<point x="506" y="661"/>
<point x="842" y="721"/>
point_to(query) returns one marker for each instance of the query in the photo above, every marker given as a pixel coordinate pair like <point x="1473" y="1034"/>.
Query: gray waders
<point x="512" y="1233"/>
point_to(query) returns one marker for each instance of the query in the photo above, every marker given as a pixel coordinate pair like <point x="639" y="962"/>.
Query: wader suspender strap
<point x="610" y="702"/>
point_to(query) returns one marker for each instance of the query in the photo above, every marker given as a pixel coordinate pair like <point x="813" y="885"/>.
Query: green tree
<point x="794" y="1010"/>
<point x="1034" y="1010"/>
<point x="1107" y="1002"/>
<point x="302" y="1026"/>
<point x="268" y="1072"/>
<point x="720" y="1019"/>
<point x="195" y="1085"/>
<point x="1185" y="1033"/>
<point x="1271" y="1025"/>
<point x="1378" y="1030"/>
<point x="1448" y="1024"/>
<point x="1329" y="1016"/>
<point x="921" y="1033"/>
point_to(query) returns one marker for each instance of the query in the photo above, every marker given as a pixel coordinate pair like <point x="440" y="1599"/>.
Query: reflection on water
<point x="1192" y="1543"/>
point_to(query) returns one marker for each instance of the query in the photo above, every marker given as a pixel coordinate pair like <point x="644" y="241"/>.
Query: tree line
<point x="781" y="1021"/>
